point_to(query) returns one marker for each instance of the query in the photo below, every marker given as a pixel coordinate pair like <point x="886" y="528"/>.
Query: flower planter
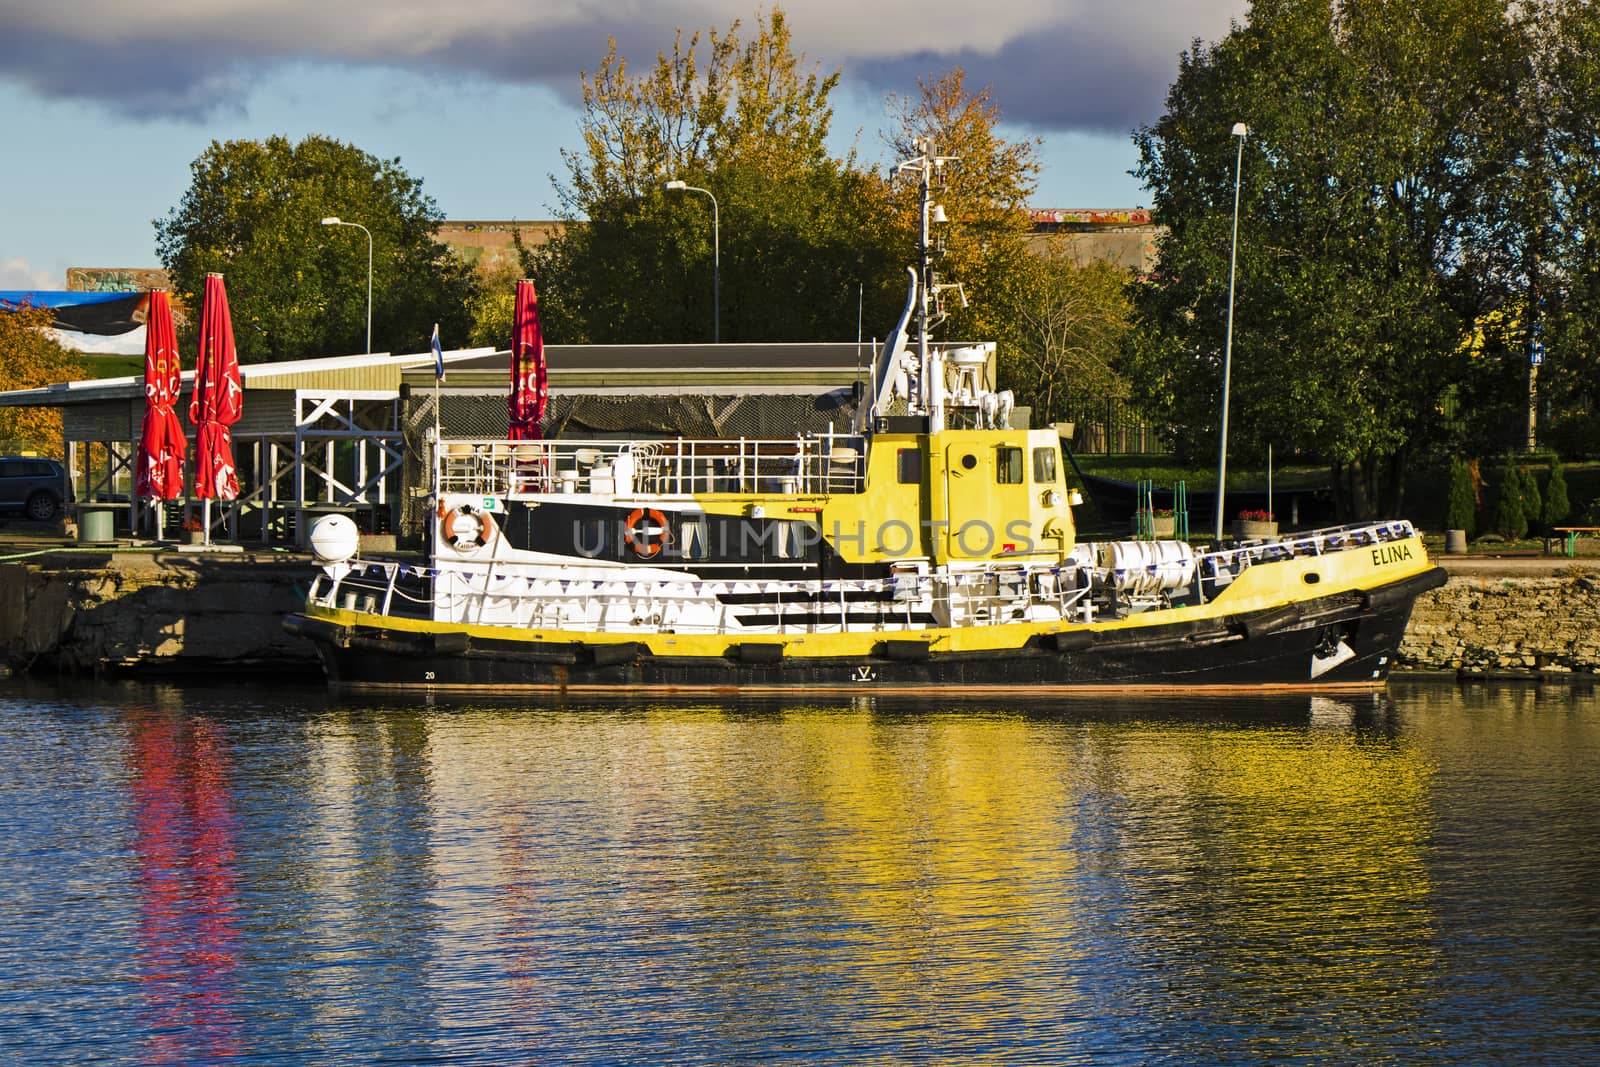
<point x="194" y="537"/>
<point x="1253" y="530"/>
<point x="1164" y="526"/>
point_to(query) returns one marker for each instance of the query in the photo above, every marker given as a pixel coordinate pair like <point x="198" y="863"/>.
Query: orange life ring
<point x="640" y="536"/>
<point x="481" y="519"/>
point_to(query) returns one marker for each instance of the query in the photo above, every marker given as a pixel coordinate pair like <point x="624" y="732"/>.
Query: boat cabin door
<point x="986" y="500"/>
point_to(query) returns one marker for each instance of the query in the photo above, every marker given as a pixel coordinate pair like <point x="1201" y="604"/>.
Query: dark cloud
<point x="1062" y="78"/>
<point x="186" y="82"/>
<point x="184" y="77"/>
<point x="553" y="57"/>
<point x="1087" y="70"/>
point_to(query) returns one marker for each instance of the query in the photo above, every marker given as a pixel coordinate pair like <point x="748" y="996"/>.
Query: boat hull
<point x="1349" y="640"/>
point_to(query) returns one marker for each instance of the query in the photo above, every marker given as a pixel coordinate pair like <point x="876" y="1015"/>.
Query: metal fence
<point x="1109" y="425"/>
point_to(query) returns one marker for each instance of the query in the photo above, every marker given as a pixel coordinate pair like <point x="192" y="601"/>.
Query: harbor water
<point x="259" y="874"/>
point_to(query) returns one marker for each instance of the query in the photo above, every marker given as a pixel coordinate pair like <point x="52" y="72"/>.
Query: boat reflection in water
<point x="1239" y="880"/>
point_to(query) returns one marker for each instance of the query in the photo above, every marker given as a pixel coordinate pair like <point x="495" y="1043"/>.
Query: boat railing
<point x="483" y="596"/>
<point x="1223" y="564"/>
<point x="481" y="593"/>
<point x="797" y="466"/>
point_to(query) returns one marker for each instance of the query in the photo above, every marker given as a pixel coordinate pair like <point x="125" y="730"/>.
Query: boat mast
<point x="930" y="379"/>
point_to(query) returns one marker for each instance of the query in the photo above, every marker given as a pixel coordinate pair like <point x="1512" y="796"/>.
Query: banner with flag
<point x="438" y="354"/>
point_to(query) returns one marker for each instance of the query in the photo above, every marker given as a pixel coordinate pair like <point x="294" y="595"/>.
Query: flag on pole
<point x="438" y="354"/>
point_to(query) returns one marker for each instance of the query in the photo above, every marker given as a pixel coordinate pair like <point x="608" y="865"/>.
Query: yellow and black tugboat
<point x="931" y="547"/>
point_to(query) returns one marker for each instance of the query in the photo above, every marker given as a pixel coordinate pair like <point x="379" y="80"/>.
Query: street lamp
<point x="334" y="220"/>
<point x="676" y="186"/>
<point x="1241" y="131"/>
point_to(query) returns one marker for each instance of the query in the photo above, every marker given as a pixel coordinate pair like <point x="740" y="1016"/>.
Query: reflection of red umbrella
<point x="218" y="397"/>
<point x="161" y="441"/>
<point x="529" y="393"/>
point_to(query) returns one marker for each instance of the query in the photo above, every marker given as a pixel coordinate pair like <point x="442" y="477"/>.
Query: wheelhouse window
<point x="908" y="463"/>
<point x="1008" y="465"/>
<point x="1044" y="466"/>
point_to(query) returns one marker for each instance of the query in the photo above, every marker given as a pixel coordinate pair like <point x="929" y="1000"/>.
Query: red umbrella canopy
<point x="161" y="442"/>
<point x="529" y="391"/>
<point x="218" y="397"/>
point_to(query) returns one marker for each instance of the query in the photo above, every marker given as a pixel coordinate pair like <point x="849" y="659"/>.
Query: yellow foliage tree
<point x="984" y="192"/>
<point x="31" y="359"/>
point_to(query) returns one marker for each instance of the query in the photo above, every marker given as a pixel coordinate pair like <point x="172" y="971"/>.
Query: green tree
<point x="1545" y="214"/>
<point x="495" y="306"/>
<point x="1556" y="504"/>
<point x="1510" y="520"/>
<point x="296" y="288"/>
<point x="1377" y="132"/>
<point x="32" y="359"/>
<point x="1461" y="507"/>
<point x="803" y="236"/>
<point x="1067" y="322"/>
<point x="1532" y="501"/>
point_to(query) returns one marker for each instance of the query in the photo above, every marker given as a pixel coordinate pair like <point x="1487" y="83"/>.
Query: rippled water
<point x="203" y="875"/>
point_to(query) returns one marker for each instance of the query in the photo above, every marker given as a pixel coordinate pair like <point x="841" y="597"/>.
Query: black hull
<point x="1348" y="641"/>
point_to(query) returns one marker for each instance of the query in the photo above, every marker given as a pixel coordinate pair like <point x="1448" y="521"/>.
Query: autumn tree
<point x="803" y="235"/>
<point x="984" y="190"/>
<point x="1377" y="136"/>
<point x="30" y="359"/>
<point x="297" y="288"/>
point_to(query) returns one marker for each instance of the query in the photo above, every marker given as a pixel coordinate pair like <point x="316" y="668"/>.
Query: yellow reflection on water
<point x="981" y="868"/>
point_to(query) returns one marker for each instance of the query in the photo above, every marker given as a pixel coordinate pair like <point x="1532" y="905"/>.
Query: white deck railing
<point x="675" y="467"/>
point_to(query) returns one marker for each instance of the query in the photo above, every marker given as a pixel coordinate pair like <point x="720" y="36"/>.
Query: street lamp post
<point x="676" y="186"/>
<point x="334" y="220"/>
<point x="1241" y="131"/>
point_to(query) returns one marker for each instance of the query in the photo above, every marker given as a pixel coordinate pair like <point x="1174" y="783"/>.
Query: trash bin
<point x="96" y="524"/>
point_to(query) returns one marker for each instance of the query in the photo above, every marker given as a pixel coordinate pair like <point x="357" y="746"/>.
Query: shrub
<point x="1510" y="521"/>
<point x="1556" y="504"/>
<point x="1532" y="503"/>
<point x="1461" y="508"/>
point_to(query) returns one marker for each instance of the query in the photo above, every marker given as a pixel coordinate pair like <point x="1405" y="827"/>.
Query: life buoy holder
<point x="478" y="532"/>
<point x="643" y="527"/>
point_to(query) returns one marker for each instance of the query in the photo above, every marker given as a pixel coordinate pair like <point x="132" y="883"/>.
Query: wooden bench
<point x="1569" y="536"/>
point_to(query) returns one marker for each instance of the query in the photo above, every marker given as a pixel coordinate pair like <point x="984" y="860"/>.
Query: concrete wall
<point x="170" y="613"/>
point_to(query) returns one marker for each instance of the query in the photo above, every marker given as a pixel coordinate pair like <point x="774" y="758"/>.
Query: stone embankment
<point x="1508" y="616"/>
<point x="174" y="613"/>
<point x="153" y="613"/>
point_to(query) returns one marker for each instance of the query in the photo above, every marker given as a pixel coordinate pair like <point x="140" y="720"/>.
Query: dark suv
<point x="32" y="485"/>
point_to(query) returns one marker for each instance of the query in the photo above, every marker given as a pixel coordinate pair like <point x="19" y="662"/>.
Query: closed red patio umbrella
<point x="159" y="475"/>
<point x="529" y="391"/>
<point x="217" y="401"/>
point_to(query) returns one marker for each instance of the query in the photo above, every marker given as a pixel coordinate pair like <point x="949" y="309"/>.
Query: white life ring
<point x="465" y="528"/>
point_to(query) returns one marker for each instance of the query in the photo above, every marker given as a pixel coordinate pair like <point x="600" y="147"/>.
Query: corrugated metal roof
<point x="376" y="371"/>
<point x="596" y="369"/>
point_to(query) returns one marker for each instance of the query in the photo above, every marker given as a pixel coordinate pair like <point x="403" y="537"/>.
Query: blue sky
<point x="106" y="105"/>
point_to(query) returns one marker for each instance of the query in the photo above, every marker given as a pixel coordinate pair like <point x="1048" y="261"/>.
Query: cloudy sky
<point x="107" y="104"/>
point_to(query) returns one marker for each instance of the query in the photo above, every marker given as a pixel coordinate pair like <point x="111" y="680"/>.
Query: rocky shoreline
<point x="165" y="613"/>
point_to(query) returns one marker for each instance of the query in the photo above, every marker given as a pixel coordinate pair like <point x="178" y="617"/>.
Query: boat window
<point x="1008" y="465"/>
<point x="694" y="542"/>
<point x="908" y="461"/>
<point x="1044" y="466"/>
